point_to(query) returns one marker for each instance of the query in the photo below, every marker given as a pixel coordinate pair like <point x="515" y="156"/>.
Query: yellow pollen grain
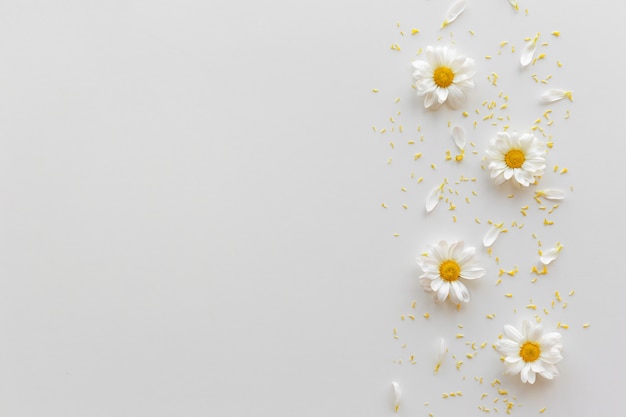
<point x="384" y="205"/>
<point x="509" y="295"/>
<point x="414" y="31"/>
<point x="417" y="156"/>
<point x="586" y="325"/>
<point x="426" y="315"/>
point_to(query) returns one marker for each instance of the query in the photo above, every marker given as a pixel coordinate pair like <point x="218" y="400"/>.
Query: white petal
<point x="460" y="291"/>
<point x="441" y="354"/>
<point x="529" y="51"/>
<point x="430" y="100"/>
<point x="551" y="254"/>
<point x="508" y="348"/>
<point x="443" y="292"/>
<point x="551" y="194"/>
<point x="458" y="135"/>
<point x="397" y="394"/>
<point x="453" y="12"/>
<point x="554" y="94"/>
<point x="512" y="333"/>
<point x="433" y="198"/>
<point x="492" y="235"/>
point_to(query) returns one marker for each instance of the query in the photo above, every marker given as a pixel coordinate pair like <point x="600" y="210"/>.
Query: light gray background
<point x="191" y="220"/>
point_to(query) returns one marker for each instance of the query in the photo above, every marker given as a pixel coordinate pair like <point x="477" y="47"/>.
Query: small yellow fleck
<point x="411" y="316"/>
<point x="433" y="166"/>
<point x="508" y="295"/>
<point x="559" y="64"/>
<point x="487" y="56"/>
<point x="502" y="392"/>
<point x="564" y="171"/>
<point x="374" y="90"/>
<point x="414" y="31"/>
<point x="403" y="189"/>
<point x="426" y="315"/>
<point x="544" y="408"/>
<point x="384" y="205"/>
<point x="547" y="222"/>
<point x="396" y="234"/>
<point x="459" y="336"/>
<point x="420" y="180"/>
<point x="413" y="304"/>
<point x="465" y="114"/>
<point x="417" y="156"/>
<point x="586" y="325"/>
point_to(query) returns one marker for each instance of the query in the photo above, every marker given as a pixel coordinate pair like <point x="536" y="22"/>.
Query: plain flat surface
<point x="191" y="220"/>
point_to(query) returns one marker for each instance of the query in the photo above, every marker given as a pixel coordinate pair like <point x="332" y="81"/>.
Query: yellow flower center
<point x="449" y="270"/>
<point x="530" y="351"/>
<point x="514" y="158"/>
<point x="443" y="77"/>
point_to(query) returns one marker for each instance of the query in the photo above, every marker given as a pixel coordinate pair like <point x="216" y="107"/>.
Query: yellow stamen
<point x="449" y="270"/>
<point x="514" y="158"/>
<point x="530" y="351"/>
<point x="443" y="77"/>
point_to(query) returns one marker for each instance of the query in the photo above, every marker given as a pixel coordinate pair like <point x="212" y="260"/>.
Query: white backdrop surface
<point x="191" y="216"/>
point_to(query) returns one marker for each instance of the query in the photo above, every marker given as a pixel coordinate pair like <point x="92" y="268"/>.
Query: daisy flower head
<point x="529" y="352"/>
<point x="443" y="77"/>
<point x="517" y="157"/>
<point x="444" y="267"/>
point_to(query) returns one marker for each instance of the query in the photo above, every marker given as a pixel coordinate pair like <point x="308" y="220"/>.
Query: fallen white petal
<point x="453" y="12"/>
<point x="396" y="395"/>
<point x="551" y="194"/>
<point x="433" y="198"/>
<point x="554" y="94"/>
<point x="514" y="4"/>
<point x="458" y="134"/>
<point x="551" y="254"/>
<point x="492" y="235"/>
<point x="443" y="349"/>
<point x="529" y="51"/>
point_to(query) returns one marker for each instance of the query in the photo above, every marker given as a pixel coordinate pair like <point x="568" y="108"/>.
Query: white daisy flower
<point x="521" y="158"/>
<point x="443" y="77"/>
<point x="530" y="352"/>
<point x="444" y="266"/>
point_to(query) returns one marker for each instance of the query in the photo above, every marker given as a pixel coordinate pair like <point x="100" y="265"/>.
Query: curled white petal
<point x="433" y="198"/>
<point x="397" y="394"/>
<point x="551" y="194"/>
<point x="555" y="94"/>
<point x="443" y="349"/>
<point x="529" y="51"/>
<point x="515" y="5"/>
<point x="458" y="135"/>
<point x="551" y="254"/>
<point x="453" y="12"/>
<point x="492" y="235"/>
